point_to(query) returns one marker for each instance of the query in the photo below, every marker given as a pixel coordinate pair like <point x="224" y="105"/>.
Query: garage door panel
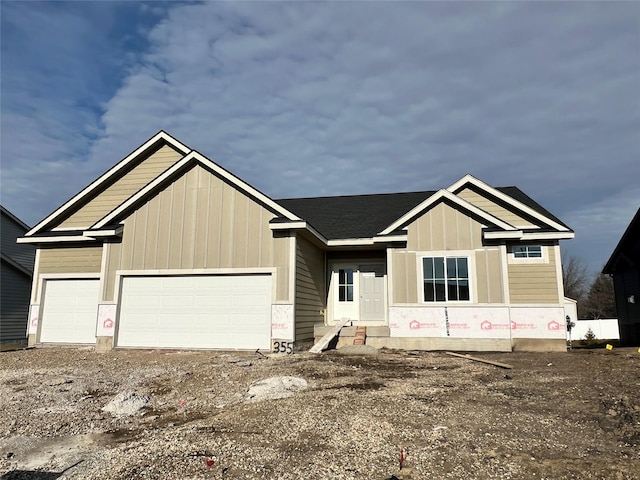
<point x="200" y="311"/>
<point x="69" y="312"/>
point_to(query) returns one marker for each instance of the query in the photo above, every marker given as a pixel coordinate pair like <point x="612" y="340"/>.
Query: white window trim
<point x="471" y="266"/>
<point x="512" y="259"/>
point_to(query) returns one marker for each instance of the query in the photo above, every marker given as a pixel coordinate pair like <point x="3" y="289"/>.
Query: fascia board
<point x="288" y="226"/>
<point x="505" y="198"/>
<point x="345" y="242"/>
<point x="548" y="235"/>
<point x="61" y="239"/>
<point x="500" y="235"/>
<point x="390" y="238"/>
<point x="441" y="195"/>
<point x="114" y="232"/>
<point x="110" y="173"/>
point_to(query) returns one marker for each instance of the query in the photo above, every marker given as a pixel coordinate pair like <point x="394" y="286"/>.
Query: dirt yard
<point x="569" y="415"/>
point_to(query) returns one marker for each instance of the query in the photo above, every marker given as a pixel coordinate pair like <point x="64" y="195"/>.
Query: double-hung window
<point x="445" y="279"/>
<point x="527" y="251"/>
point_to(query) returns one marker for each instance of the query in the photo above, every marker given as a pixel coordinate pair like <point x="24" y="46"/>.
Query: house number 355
<point x="280" y="346"/>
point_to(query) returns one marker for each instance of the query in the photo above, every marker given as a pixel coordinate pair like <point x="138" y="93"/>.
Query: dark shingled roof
<point x="353" y="216"/>
<point x="364" y="216"/>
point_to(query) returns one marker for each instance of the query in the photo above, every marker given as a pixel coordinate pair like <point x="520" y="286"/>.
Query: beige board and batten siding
<point x="199" y="222"/>
<point x="140" y="175"/>
<point x="445" y="228"/>
<point x="533" y="283"/>
<point x="68" y="261"/>
<point x="482" y="201"/>
<point x="310" y="288"/>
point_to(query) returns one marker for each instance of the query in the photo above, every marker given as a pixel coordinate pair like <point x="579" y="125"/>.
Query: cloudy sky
<point x="309" y="99"/>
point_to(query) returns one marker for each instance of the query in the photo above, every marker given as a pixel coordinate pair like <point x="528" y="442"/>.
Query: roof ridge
<point x="358" y="195"/>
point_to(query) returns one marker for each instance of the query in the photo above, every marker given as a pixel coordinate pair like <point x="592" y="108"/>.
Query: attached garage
<point x="195" y="311"/>
<point x="70" y="311"/>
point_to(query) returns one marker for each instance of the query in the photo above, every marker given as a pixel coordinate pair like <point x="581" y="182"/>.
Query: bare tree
<point x="601" y="302"/>
<point x="575" y="276"/>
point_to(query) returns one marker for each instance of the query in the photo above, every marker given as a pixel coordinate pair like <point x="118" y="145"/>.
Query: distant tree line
<point x="593" y="292"/>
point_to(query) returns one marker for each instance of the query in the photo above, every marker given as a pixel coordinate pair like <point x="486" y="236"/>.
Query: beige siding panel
<point x="112" y="267"/>
<point x="482" y="282"/>
<point x="177" y="219"/>
<point x="123" y="188"/>
<point x="494" y="276"/>
<point x="494" y="209"/>
<point x="444" y="228"/>
<point x="201" y="230"/>
<point x="281" y="261"/>
<point x="70" y="260"/>
<point x="227" y="223"/>
<point x="405" y="286"/>
<point x="241" y="230"/>
<point x="214" y="222"/>
<point x="310" y="281"/>
<point x="198" y="223"/>
<point x="535" y="282"/>
<point x="254" y="232"/>
<point x="189" y="218"/>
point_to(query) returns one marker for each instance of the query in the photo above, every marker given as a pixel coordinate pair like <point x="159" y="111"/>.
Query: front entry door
<point x="357" y="292"/>
<point x="371" y="292"/>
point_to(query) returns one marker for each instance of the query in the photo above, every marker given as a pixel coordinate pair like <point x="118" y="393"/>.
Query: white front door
<point x="371" y="292"/>
<point x="357" y="292"/>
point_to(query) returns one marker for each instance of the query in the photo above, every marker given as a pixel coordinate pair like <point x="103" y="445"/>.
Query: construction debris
<point x="482" y="360"/>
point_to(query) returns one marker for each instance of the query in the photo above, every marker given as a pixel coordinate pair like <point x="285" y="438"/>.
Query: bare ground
<point x="569" y="415"/>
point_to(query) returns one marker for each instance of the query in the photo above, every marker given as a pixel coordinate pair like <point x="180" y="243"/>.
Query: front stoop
<point x="361" y="336"/>
<point x="348" y="335"/>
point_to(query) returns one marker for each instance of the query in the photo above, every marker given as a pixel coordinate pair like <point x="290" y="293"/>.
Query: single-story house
<point x="624" y="267"/>
<point x="168" y="249"/>
<point x="15" y="280"/>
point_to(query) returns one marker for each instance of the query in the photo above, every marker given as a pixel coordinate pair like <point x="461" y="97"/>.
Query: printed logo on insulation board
<point x="33" y="319"/>
<point x="106" y="320"/>
<point x="478" y="322"/>
<point x="282" y="322"/>
<point x="417" y="322"/>
<point x="538" y="322"/>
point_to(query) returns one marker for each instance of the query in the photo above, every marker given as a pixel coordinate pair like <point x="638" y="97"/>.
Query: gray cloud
<point x="306" y="99"/>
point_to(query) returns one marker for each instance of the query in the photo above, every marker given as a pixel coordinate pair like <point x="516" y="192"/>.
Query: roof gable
<point x="178" y="169"/>
<point x="101" y="184"/>
<point x="512" y="197"/>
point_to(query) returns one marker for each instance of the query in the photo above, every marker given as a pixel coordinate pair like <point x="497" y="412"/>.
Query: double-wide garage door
<point x="195" y="311"/>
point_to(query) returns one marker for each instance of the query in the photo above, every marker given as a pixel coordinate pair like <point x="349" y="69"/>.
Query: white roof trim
<point x="548" y="235"/>
<point x="287" y="225"/>
<point x="440" y="195"/>
<point x="70" y="238"/>
<point x="350" y="241"/>
<point x="112" y="171"/>
<point x="104" y="233"/>
<point x="506" y="198"/>
<point x="193" y="156"/>
<point x="390" y="238"/>
<point x="497" y="235"/>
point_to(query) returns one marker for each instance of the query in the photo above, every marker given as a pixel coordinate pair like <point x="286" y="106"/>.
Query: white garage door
<point x="70" y="311"/>
<point x="198" y="311"/>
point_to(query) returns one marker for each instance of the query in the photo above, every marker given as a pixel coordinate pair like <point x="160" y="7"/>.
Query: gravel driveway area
<point x="192" y="415"/>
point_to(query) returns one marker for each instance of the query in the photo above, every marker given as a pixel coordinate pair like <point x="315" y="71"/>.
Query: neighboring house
<point x="169" y="250"/>
<point x="624" y="266"/>
<point x="15" y="280"/>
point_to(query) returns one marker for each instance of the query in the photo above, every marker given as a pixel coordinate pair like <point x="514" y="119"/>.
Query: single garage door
<point x="196" y="311"/>
<point x="70" y="311"/>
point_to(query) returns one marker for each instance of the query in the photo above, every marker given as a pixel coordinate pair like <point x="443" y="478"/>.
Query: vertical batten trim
<point x="505" y="274"/>
<point x="181" y="230"/>
<point x="559" y="279"/>
<point x="34" y="279"/>
<point x="103" y="271"/>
